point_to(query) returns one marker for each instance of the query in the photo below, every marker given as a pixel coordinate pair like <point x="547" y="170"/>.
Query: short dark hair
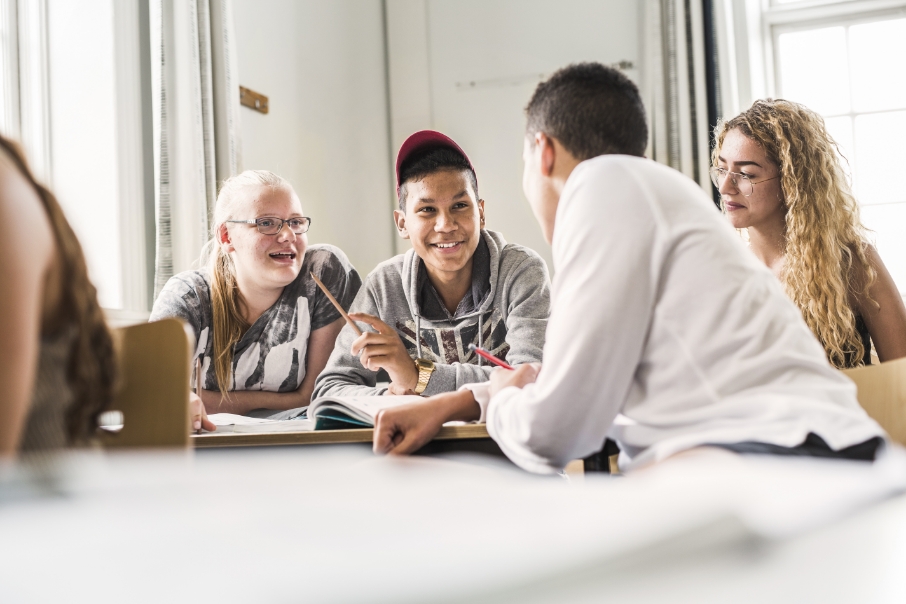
<point x="591" y="109"/>
<point x="430" y="161"/>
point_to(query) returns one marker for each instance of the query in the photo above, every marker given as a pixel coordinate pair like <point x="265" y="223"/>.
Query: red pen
<point x="488" y="356"/>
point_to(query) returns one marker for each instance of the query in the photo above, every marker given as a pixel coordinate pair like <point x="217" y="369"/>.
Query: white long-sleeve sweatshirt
<point x="659" y="313"/>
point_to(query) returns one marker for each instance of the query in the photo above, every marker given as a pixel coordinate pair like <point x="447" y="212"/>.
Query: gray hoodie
<point x="510" y="322"/>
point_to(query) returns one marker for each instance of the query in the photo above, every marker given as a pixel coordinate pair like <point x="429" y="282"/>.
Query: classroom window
<point x="849" y="71"/>
<point x="83" y="136"/>
<point x="70" y="91"/>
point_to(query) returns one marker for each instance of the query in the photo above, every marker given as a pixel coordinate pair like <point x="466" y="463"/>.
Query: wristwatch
<point x="425" y="368"/>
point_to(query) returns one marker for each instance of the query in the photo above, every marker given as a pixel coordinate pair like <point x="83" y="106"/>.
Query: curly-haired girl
<point x="780" y="178"/>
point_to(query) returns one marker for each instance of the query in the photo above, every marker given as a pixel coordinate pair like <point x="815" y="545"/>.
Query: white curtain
<point x="9" y="70"/>
<point x="195" y="108"/>
<point x="25" y="80"/>
<point x="675" y="86"/>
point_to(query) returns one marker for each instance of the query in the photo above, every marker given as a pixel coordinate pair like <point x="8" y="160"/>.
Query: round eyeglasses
<point x="743" y="183"/>
<point x="270" y="225"/>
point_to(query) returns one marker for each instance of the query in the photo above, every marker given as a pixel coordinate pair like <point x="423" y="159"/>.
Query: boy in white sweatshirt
<point x="658" y="313"/>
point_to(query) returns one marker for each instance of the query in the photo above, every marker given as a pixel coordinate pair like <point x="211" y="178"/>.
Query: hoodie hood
<point x="410" y="269"/>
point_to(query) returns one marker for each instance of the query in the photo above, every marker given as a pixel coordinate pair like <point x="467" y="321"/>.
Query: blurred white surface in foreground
<point x="334" y="524"/>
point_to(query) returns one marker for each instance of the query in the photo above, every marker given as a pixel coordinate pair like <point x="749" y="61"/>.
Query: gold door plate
<point x="253" y="100"/>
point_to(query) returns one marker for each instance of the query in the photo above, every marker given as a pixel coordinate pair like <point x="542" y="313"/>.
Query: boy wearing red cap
<point x="459" y="284"/>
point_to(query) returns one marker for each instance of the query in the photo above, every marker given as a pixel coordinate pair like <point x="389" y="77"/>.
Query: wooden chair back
<point x="882" y="393"/>
<point x="153" y="395"/>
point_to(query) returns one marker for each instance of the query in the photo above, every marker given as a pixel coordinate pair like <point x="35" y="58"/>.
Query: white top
<point x="660" y="313"/>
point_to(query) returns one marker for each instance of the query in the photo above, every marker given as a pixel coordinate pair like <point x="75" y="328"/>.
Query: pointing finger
<point x="376" y="323"/>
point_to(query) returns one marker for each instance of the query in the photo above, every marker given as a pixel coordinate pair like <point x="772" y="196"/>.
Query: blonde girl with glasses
<point x="57" y="365"/>
<point x="263" y="328"/>
<point x="779" y="176"/>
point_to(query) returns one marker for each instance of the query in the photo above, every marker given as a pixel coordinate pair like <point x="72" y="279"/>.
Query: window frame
<point x="846" y="21"/>
<point x="830" y="14"/>
<point x="26" y="80"/>
<point x="757" y="24"/>
<point x="751" y="23"/>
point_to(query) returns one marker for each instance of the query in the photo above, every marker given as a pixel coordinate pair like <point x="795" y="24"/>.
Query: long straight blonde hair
<point x="226" y="300"/>
<point x="825" y="259"/>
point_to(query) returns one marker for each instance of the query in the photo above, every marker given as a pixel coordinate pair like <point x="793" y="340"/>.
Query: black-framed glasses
<point x="743" y="183"/>
<point x="271" y="225"/>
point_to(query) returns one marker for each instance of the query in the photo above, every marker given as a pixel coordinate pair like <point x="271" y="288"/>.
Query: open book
<point x="351" y="412"/>
<point x="325" y="413"/>
<point x="229" y="422"/>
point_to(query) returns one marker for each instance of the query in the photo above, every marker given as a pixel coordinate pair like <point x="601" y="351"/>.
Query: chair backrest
<point x="882" y="393"/>
<point x="154" y="385"/>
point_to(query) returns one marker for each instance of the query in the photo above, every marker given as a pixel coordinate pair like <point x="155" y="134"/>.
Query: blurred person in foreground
<point x="57" y="365"/>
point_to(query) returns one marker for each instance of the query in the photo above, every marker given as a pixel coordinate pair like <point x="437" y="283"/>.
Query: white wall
<point x="468" y="68"/>
<point x="321" y="64"/>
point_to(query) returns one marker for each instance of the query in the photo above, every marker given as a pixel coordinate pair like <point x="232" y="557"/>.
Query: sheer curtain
<point x="195" y="109"/>
<point x="9" y="70"/>
<point x="676" y="85"/>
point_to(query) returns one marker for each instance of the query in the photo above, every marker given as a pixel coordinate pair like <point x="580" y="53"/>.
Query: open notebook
<point x="325" y="413"/>
<point x="229" y="422"/>
<point x="350" y="412"/>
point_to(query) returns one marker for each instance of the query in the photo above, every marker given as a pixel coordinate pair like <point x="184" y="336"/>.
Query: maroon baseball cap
<point x="422" y="141"/>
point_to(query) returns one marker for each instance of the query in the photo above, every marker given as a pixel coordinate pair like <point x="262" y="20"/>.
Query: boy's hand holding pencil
<point x="519" y="377"/>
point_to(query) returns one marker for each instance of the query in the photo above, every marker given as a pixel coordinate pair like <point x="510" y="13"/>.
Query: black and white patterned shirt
<point x="271" y="354"/>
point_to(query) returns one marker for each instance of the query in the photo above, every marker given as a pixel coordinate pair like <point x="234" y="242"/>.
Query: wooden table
<point x="467" y="437"/>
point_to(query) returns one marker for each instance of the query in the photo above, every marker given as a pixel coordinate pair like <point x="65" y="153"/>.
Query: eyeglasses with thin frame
<point x="742" y="182"/>
<point x="271" y="225"/>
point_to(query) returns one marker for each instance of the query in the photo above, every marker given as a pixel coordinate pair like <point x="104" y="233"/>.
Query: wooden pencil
<point x="336" y="304"/>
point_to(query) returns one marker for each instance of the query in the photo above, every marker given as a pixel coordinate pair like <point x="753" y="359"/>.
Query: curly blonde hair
<point x="825" y="258"/>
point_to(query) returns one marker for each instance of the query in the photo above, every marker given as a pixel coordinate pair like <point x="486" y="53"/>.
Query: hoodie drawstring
<point x="480" y="332"/>
<point x="418" y="335"/>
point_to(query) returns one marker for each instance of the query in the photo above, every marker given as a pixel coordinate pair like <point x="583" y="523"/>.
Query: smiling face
<point x="264" y="261"/>
<point x="741" y="154"/>
<point x="443" y="220"/>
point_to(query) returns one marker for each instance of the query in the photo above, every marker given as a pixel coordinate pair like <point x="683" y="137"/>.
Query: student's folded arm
<point x="320" y="347"/>
<point x="602" y="300"/>
<point x="243" y="401"/>
<point x="344" y="374"/>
